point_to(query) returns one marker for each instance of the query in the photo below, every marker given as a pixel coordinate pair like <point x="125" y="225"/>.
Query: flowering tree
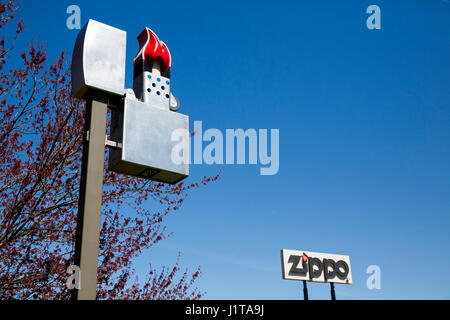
<point x="40" y="163"/>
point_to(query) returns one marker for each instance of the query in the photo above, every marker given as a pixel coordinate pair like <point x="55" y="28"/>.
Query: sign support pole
<point x="305" y="291"/>
<point x="90" y="197"/>
<point x="333" y="294"/>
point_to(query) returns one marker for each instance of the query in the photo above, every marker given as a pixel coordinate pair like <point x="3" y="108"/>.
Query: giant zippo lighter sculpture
<point x="144" y="117"/>
<point x="143" y="120"/>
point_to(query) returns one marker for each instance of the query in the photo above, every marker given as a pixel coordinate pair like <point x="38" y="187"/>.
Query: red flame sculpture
<point x="151" y="50"/>
<point x="305" y="257"/>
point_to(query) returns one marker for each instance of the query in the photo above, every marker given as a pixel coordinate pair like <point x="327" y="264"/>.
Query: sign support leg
<point x="333" y="293"/>
<point x="90" y="197"/>
<point x="305" y="291"/>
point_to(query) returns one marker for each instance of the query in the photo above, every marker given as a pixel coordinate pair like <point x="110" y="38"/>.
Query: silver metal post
<point x="90" y="197"/>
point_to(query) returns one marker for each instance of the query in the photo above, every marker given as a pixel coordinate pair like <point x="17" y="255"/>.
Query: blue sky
<point x="364" y="120"/>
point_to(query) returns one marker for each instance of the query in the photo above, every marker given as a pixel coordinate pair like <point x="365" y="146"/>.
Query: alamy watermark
<point x="374" y="20"/>
<point x="74" y="20"/>
<point x="73" y="281"/>
<point x="374" y="280"/>
<point x="228" y="148"/>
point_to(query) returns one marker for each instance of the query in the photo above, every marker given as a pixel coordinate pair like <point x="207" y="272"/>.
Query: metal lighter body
<point x="145" y="126"/>
<point x="98" y="61"/>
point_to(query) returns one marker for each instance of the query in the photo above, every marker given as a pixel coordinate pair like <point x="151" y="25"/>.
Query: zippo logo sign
<point x="315" y="266"/>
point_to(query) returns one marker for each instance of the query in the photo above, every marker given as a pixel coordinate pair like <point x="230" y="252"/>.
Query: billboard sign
<point x="315" y="266"/>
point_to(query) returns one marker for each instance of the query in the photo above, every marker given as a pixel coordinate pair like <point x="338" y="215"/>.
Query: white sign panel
<point x="315" y="266"/>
